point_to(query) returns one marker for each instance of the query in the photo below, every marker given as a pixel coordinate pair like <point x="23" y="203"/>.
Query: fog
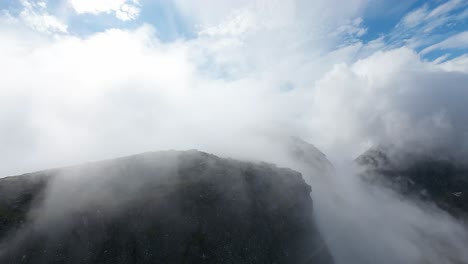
<point x="364" y="223"/>
<point x="254" y="74"/>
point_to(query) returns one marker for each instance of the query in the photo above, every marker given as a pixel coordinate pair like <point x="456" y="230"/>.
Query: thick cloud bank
<point x="72" y="99"/>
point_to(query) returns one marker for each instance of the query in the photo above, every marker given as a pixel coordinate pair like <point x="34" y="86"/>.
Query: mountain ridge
<point x="171" y="206"/>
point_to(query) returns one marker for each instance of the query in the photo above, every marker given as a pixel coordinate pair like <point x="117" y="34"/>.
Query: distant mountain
<point x="308" y="155"/>
<point x="440" y="180"/>
<point x="162" y="207"/>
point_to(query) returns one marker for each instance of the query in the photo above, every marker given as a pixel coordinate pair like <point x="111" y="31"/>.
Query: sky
<point x="87" y="80"/>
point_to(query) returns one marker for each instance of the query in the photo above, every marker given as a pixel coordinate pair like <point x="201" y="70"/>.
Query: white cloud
<point x="245" y="56"/>
<point x="35" y="16"/>
<point x="208" y="13"/>
<point x="352" y="30"/>
<point x="415" y="17"/>
<point x="457" y="41"/>
<point x="459" y="64"/>
<point x="393" y="97"/>
<point x="123" y="9"/>
<point x="416" y="29"/>
<point x="431" y="18"/>
<point x="127" y="12"/>
<point x="107" y="72"/>
<point x="237" y="24"/>
<point x="445" y="8"/>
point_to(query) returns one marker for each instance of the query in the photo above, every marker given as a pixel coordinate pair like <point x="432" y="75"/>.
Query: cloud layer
<point x="252" y="72"/>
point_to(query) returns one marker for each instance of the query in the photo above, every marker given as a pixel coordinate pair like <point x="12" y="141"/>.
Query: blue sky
<point x="428" y="31"/>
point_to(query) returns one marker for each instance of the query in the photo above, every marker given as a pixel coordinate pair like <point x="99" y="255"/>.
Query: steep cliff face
<point x="164" y="207"/>
<point x="440" y="180"/>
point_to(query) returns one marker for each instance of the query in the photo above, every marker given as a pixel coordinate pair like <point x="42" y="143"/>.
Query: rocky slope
<point x="439" y="180"/>
<point x="163" y="207"/>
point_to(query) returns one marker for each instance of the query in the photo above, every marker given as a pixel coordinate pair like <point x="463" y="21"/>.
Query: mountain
<point x="160" y="207"/>
<point x="308" y="156"/>
<point x="441" y="180"/>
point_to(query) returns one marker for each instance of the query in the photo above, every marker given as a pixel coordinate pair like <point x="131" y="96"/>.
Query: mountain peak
<point x="161" y="207"/>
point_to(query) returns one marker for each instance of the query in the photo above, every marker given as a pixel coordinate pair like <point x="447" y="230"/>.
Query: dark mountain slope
<point x="440" y="180"/>
<point x="17" y="196"/>
<point x="164" y="207"/>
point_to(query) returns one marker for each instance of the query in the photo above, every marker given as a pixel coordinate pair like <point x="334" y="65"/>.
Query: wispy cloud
<point x="36" y="16"/>
<point x="457" y="41"/>
<point x="122" y="9"/>
<point x="427" y="24"/>
<point x="428" y="19"/>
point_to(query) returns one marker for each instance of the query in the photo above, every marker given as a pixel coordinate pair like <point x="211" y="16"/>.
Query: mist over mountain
<point x="161" y="207"/>
<point x="91" y="80"/>
<point x="194" y="207"/>
<point x="366" y="216"/>
<point x="432" y="177"/>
